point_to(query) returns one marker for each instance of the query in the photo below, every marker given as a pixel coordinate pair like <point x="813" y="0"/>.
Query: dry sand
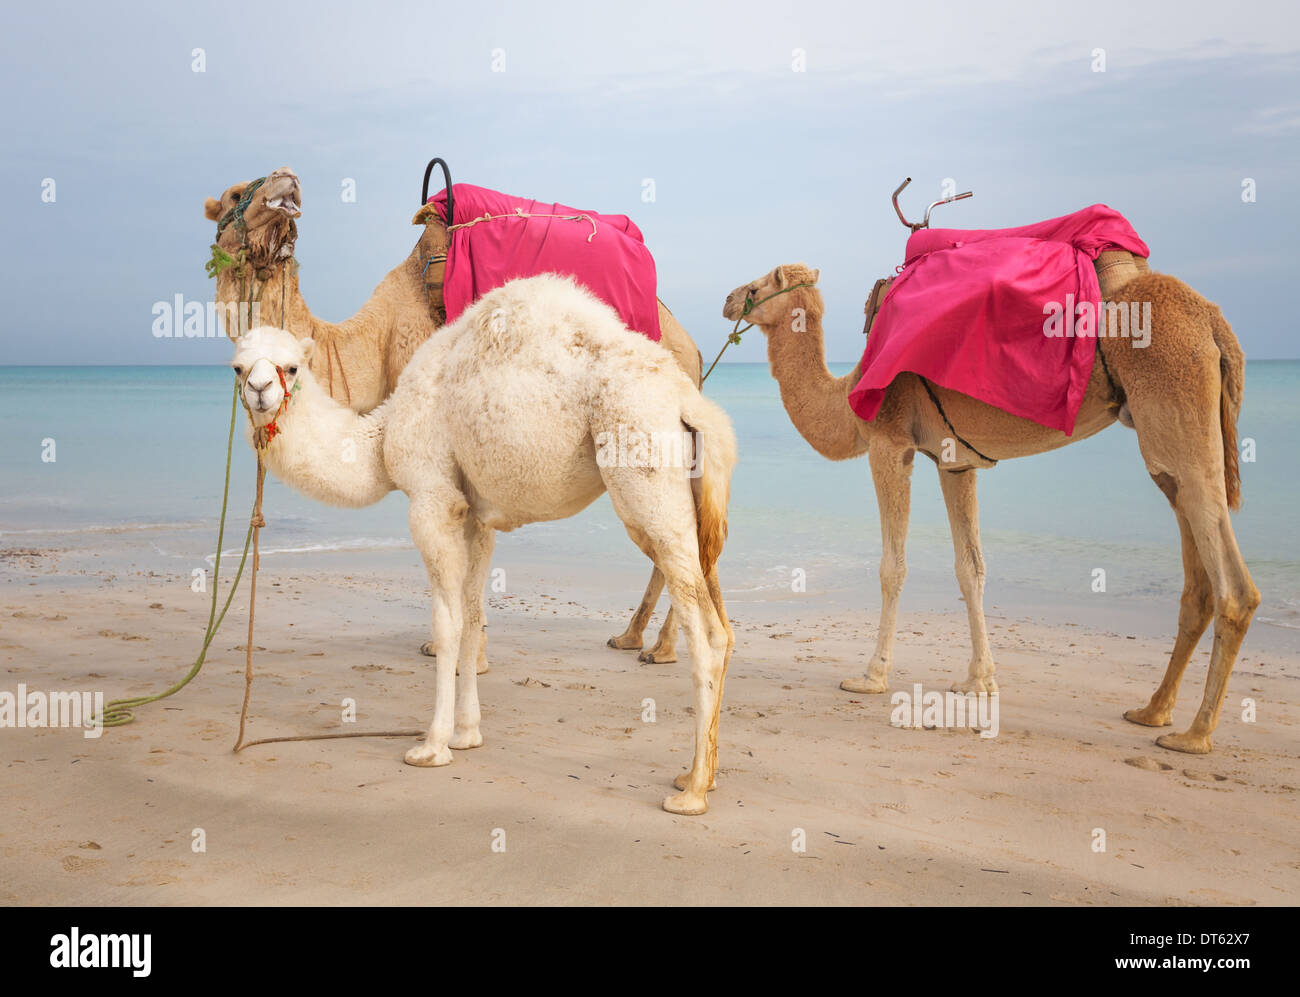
<point x="571" y="778"/>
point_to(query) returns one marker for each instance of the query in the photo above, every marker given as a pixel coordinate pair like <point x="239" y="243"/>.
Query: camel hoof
<point x="686" y="804"/>
<point x="624" y="643"/>
<point x="985" y="685"/>
<point x="1187" y="742"/>
<point x="657" y="657"/>
<point x="1147" y="717"/>
<point x="865" y="684"/>
<point x="427" y="649"/>
<point x="463" y="740"/>
<point x="480" y="669"/>
<point x="683" y="780"/>
<point x="425" y="756"/>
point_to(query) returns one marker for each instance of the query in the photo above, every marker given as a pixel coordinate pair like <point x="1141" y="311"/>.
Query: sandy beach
<point x="561" y="805"/>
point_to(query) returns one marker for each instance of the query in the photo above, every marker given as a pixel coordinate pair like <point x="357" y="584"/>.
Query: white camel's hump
<point x="548" y="319"/>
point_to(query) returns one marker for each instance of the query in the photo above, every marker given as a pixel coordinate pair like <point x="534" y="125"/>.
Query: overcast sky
<point x="754" y="163"/>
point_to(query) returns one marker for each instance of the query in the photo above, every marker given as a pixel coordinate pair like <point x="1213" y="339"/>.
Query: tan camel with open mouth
<point x="359" y="360"/>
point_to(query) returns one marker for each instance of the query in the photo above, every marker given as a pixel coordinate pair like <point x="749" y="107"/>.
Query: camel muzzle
<point x="282" y="192"/>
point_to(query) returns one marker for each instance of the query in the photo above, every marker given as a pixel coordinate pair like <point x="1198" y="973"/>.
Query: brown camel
<point x="1181" y="393"/>
<point x="358" y="360"/>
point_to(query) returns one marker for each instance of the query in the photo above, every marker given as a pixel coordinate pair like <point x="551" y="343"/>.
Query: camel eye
<point x="293" y="370"/>
<point x="239" y="371"/>
<point x="751" y="292"/>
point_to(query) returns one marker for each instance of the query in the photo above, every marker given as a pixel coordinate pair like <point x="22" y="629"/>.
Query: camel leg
<point x="481" y="665"/>
<point x="963" y="518"/>
<point x="630" y="639"/>
<point x="659" y="515"/>
<point x="1235" y="600"/>
<point x="441" y="542"/>
<point x="1182" y="444"/>
<point x="715" y="594"/>
<point x="479" y="541"/>
<point x="665" y="650"/>
<point x="891" y="472"/>
<point x="708" y="642"/>
<point x="1194" y="613"/>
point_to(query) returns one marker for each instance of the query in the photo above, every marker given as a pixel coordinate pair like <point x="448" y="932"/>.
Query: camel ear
<point x="778" y="277"/>
<point x="212" y="208"/>
<point x="308" y="346"/>
<point x="424" y="214"/>
<point x="816" y="275"/>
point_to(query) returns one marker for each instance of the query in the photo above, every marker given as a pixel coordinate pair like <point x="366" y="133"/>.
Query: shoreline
<point x="619" y="578"/>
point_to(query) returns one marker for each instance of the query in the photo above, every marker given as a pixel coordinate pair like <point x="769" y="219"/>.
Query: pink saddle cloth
<point x="517" y="237"/>
<point x="970" y="308"/>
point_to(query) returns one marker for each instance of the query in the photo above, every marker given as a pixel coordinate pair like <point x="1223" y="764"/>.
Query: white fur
<point x="493" y="425"/>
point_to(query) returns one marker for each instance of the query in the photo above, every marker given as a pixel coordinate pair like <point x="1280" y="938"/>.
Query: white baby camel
<point x="505" y="418"/>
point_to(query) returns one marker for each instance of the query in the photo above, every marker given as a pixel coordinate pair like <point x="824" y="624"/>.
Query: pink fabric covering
<point x="967" y="312"/>
<point x="614" y="264"/>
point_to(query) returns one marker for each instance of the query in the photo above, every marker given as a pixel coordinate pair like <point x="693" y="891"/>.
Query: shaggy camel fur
<point x="1181" y="393"/>
<point x="508" y="417"/>
<point x="360" y="359"/>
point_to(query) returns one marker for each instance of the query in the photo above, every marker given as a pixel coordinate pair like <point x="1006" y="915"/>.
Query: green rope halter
<point x="236" y="213"/>
<point x="737" y="332"/>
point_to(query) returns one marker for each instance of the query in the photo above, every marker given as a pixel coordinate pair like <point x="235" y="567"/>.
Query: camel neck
<point x="344" y="359"/>
<point x="816" y="401"/>
<point x="275" y="297"/>
<point x="327" y="451"/>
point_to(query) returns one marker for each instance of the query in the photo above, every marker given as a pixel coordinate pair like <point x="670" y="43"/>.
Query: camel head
<point x="767" y="301"/>
<point x="269" y="362"/>
<point x="259" y="215"/>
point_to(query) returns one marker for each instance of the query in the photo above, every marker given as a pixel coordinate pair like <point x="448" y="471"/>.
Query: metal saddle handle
<point x="446" y="176"/>
<point x="925" y="222"/>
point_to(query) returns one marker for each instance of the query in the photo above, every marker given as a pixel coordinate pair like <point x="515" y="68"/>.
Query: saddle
<point x="1115" y="268"/>
<point x="966" y="312"/>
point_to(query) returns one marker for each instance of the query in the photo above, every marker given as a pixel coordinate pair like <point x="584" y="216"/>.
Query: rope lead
<point x="119" y="712"/>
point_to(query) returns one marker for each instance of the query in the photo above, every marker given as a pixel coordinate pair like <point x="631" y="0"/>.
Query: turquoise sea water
<point x="140" y="451"/>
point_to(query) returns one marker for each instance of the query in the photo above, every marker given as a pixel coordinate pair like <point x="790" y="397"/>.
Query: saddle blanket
<point x="501" y="237"/>
<point x="1007" y="316"/>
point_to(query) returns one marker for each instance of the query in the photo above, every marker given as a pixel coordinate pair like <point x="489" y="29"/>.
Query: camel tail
<point x="715" y="457"/>
<point x="1232" y="370"/>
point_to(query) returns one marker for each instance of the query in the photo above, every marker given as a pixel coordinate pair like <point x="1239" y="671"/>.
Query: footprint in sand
<point x="115" y="633"/>
<point x="1148" y="764"/>
<point x="1160" y="818"/>
<point x="1205" y="776"/>
<point x="75" y="863"/>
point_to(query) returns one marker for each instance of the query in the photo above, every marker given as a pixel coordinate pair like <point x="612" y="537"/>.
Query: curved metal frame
<point x="925" y="222"/>
<point x="446" y="176"/>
